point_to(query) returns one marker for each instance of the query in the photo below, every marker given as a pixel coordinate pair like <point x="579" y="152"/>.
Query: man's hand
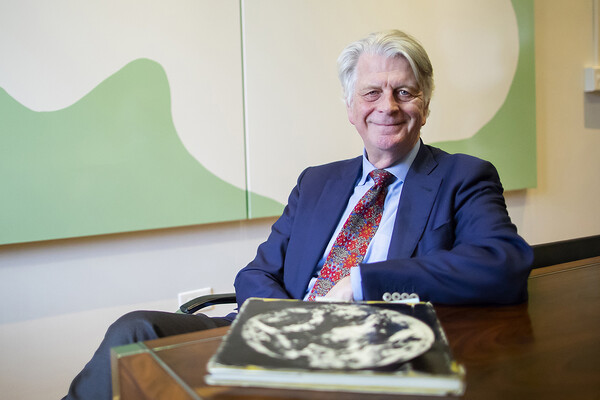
<point x="341" y="291"/>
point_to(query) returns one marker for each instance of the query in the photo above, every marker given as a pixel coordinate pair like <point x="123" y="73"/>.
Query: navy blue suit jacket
<point x="453" y="241"/>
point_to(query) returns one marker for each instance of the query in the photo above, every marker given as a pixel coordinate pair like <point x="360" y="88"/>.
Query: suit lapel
<point x="418" y="195"/>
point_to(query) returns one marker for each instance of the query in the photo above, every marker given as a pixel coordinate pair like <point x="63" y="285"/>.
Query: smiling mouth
<point x="387" y="123"/>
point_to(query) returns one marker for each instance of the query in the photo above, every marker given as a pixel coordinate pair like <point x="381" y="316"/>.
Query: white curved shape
<point x="474" y="50"/>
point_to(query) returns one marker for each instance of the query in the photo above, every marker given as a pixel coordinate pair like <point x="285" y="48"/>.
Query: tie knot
<point x="381" y="177"/>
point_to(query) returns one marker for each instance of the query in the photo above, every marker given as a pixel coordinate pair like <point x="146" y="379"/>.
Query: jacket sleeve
<point x="469" y="253"/>
<point x="263" y="276"/>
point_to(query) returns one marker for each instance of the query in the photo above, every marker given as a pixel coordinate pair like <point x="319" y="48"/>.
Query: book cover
<point x="377" y="347"/>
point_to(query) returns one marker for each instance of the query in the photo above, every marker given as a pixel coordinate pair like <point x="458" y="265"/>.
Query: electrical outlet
<point x="184" y="297"/>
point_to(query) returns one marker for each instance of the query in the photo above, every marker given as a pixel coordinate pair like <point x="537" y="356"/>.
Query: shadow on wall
<point x="591" y="110"/>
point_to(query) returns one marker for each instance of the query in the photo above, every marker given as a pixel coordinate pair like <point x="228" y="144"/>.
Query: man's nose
<point x="388" y="103"/>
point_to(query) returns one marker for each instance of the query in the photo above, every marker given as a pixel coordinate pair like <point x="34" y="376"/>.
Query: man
<point x="435" y="225"/>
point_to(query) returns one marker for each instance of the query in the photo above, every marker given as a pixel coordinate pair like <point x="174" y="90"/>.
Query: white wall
<point x="57" y="298"/>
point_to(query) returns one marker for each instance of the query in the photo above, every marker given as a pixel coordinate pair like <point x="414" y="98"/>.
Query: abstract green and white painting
<point x="123" y="115"/>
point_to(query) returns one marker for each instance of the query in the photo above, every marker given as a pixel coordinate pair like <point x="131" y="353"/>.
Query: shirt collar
<point x="399" y="170"/>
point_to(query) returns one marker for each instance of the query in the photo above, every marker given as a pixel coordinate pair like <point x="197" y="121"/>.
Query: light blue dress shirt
<point x="380" y="243"/>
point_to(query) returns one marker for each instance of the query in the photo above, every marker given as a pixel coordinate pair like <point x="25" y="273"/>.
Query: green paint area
<point x="509" y="139"/>
<point x="112" y="162"/>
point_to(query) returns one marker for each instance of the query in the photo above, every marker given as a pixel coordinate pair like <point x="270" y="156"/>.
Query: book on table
<point x="377" y="347"/>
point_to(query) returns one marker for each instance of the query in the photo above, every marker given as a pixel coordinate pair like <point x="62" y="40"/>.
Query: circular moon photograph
<point x="338" y="336"/>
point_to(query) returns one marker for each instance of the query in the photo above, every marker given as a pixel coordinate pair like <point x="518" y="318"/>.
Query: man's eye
<point x="373" y="94"/>
<point x="405" y="95"/>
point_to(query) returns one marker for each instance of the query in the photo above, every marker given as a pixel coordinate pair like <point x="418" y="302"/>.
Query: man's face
<point x="387" y="108"/>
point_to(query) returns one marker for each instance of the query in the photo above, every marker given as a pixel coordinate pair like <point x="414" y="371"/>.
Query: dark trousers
<point x="94" y="381"/>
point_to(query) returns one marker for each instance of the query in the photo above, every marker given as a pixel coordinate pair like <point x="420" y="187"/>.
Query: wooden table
<point x="548" y="348"/>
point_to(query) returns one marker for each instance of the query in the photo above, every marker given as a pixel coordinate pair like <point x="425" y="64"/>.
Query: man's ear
<point x="350" y="113"/>
<point x="425" y="114"/>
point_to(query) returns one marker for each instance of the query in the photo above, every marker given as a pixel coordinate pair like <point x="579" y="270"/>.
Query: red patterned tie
<point x="351" y="244"/>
